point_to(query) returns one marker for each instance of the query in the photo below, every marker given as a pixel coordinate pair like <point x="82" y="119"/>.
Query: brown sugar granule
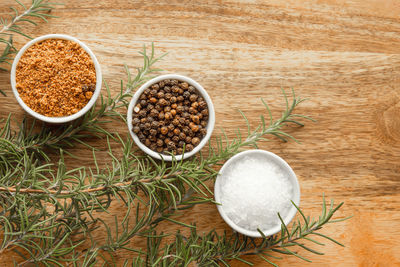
<point x="56" y="77"/>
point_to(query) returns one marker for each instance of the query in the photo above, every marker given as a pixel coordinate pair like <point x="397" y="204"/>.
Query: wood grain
<point x="343" y="55"/>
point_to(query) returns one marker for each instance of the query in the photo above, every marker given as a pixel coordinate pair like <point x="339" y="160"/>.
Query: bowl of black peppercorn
<point x="171" y="117"/>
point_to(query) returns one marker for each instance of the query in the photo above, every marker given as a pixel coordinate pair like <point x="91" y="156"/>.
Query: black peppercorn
<point x="149" y="107"/>
<point x="136" y="129"/>
<point x="203" y="132"/>
<point x="202" y="105"/>
<point x="153" y="146"/>
<point x="192" y="110"/>
<point x="186" y="130"/>
<point x="154" y="124"/>
<point x="167" y="89"/>
<point x="171" y="145"/>
<point x="196" y="119"/>
<point x="154" y="113"/>
<point x="153" y="92"/>
<point x="175" y="122"/>
<point x="153" y="132"/>
<point x="160" y="142"/>
<point x="184" y="85"/>
<point x="185" y="115"/>
<point x="191" y="89"/>
<point x="186" y="94"/>
<point x="195" y="105"/>
<point x="155" y="87"/>
<point x="143" y="103"/>
<point x="195" y="141"/>
<point x="177" y="131"/>
<point x="147" y="142"/>
<point x="164" y="130"/>
<point x="181" y="143"/>
<point x="189" y="147"/>
<point x="175" y="139"/>
<point x="188" y="139"/>
<point x="168" y="116"/>
<point x="182" y="136"/>
<point x="195" y="128"/>
<point x="135" y="121"/>
<point x="175" y="89"/>
<point x="193" y="97"/>
<point x="142" y="113"/>
<point x="163" y="102"/>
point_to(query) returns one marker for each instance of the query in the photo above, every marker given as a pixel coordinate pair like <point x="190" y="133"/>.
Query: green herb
<point x="213" y="249"/>
<point x="48" y="211"/>
<point x="10" y="26"/>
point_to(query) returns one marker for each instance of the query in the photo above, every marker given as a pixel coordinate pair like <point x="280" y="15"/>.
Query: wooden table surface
<point x="343" y="55"/>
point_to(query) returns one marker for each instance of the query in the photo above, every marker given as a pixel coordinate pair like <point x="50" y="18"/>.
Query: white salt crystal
<point x="253" y="190"/>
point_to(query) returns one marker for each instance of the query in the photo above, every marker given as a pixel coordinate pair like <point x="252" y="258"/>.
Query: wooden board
<point x="343" y="55"/>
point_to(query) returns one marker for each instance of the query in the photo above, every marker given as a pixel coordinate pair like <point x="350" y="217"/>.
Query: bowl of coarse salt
<point x="254" y="186"/>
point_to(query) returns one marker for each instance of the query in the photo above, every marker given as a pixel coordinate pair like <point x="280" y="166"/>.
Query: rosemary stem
<point x="15" y="20"/>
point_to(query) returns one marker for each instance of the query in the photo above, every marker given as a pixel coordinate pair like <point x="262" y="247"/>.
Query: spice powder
<point x="55" y="77"/>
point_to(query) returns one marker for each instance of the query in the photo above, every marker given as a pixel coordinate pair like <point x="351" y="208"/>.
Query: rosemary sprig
<point x="9" y="26"/>
<point x="213" y="249"/>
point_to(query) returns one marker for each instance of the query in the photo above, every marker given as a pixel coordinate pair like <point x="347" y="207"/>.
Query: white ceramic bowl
<point x="202" y="92"/>
<point x="280" y="162"/>
<point x="64" y="119"/>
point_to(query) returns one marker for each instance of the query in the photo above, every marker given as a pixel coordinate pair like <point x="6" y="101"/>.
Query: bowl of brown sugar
<point x="56" y="78"/>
